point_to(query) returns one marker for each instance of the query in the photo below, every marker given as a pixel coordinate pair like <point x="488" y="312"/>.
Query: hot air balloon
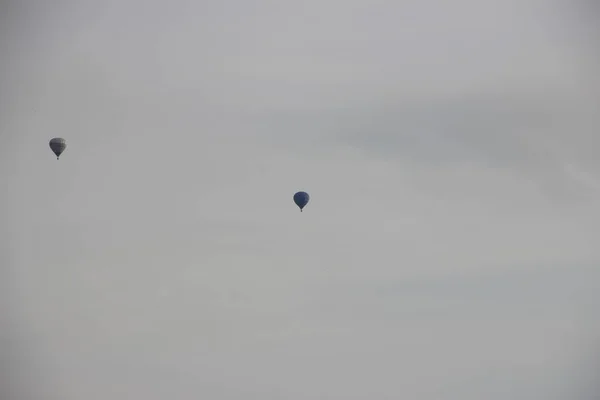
<point x="58" y="145"/>
<point x="301" y="199"/>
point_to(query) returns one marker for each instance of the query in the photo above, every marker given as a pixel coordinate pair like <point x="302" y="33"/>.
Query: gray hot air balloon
<point x="58" y="145"/>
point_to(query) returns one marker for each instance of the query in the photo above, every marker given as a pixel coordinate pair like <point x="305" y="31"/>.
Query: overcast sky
<point x="449" y="251"/>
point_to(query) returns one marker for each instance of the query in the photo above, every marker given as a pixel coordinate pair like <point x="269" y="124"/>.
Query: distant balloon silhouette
<point x="301" y="199"/>
<point x="58" y="145"/>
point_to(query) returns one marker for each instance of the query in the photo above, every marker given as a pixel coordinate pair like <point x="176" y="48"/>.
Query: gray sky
<point x="449" y="250"/>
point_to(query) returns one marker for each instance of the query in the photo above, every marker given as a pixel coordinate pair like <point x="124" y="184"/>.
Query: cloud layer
<point x="448" y="251"/>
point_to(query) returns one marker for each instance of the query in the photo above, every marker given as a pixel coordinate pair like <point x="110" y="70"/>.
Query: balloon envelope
<point x="58" y="145"/>
<point x="301" y="199"/>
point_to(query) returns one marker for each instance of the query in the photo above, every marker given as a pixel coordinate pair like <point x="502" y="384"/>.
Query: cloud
<point x="448" y="249"/>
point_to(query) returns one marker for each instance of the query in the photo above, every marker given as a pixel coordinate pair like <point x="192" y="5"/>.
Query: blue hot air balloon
<point x="301" y="199"/>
